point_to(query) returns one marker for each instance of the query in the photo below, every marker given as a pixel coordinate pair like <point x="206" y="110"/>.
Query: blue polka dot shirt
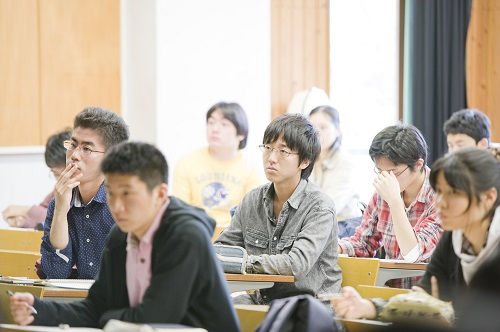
<point x="88" y="227"/>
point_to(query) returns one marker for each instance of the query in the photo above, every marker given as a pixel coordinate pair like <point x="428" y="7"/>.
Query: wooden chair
<point x="382" y="292"/>
<point x="18" y="263"/>
<point x="250" y="316"/>
<point x="20" y="239"/>
<point x="358" y="271"/>
<point x="5" y="301"/>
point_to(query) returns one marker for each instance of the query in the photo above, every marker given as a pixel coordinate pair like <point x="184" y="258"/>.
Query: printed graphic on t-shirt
<point x="214" y="194"/>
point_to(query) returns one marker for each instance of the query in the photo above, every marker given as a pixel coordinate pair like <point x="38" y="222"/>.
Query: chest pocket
<point x="286" y="243"/>
<point x="256" y="239"/>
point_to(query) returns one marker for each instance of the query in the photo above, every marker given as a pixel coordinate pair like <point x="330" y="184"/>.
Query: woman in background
<point x="334" y="171"/>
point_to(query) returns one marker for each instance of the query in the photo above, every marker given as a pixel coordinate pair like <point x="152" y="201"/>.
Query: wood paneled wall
<point x="56" y="57"/>
<point x="483" y="61"/>
<point x="300" y="42"/>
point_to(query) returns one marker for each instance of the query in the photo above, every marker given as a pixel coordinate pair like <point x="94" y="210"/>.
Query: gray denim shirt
<point x="302" y="242"/>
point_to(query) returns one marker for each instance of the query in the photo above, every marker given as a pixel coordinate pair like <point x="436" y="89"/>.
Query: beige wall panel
<point x="19" y="97"/>
<point x="483" y="61"/>
<point x="300" y="49"/>
<point x="79" y="59"/>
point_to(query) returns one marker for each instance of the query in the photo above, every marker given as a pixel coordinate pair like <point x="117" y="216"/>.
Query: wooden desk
<point x="20" y="239"/>
<point x="244" y="282"/>
<point x="237" y="283"/>
<point x="390" y="269"/>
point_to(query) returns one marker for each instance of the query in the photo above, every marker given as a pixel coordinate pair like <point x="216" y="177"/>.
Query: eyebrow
<point x="83" y="143"/>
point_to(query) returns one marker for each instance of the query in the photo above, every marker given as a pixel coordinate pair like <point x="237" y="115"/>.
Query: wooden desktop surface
<point x="55" y="292"/>
<point x="403" y="265"/>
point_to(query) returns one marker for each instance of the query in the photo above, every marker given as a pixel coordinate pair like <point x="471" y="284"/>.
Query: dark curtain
<point x="437" y="35"/>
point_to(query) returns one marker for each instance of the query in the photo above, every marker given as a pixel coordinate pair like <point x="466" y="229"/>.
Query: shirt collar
<point x="296" y="197"/>
<point x="99" y="197"/>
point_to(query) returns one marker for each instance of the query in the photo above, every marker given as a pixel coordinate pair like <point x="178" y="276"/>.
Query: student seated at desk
<point x="467" y="184"/>
<point x="78" y="219"/>
<point x="55" y="159"/>
<point x="287" y="226"/>
<point x="158" y="265"/>
<point x="401" y="215"/>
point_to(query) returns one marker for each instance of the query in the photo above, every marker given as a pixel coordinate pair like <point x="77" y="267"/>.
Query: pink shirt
<point x="138" y="265"/>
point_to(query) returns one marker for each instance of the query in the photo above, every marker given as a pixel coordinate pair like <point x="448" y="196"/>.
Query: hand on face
<point x="69" y="179"/>
<point x="20" y="308"/>
<point x="387" y="186"/>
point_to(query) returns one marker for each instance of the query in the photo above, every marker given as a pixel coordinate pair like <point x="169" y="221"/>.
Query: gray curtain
<point x="437" y="31"/>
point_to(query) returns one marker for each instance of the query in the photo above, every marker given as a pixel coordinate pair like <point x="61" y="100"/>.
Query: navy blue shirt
<point x="88" y="227"/>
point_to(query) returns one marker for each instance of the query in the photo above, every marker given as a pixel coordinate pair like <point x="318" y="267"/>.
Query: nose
<point x="440" y="202"/>
<point x="115" y="204"/>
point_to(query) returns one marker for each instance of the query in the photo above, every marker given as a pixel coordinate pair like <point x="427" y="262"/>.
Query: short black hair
<point x="299" y="134"/>
<point x="55" y="152"/>
<point x="401" y="144"/>
<point x="236" y="114"/>
<point x="137" y="158"/>
<point x="109" y="125"/>
<point x="470" y="170"/>
<point x="334" y="117"/>
<point x="470" y="122"/>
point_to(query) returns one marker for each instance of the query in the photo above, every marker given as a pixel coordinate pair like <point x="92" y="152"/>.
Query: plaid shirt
<point x="377" y="230"/>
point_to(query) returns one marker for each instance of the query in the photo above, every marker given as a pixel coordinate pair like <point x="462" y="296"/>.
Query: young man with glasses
<point x="78" y="219"/>
<point x="401" y="216"/>
<point x="287" y="226"/>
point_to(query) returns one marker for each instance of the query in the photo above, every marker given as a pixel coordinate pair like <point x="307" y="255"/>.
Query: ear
<point x="162" y="192"/>
<point x="483" y="143"/>
<point x="240" y="137"/>
<point x="489" y="196"/>
<point x="419" y="164"/>
<point x="304" y="164"/>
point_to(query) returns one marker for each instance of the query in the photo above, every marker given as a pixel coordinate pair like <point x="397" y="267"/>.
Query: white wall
<point x="178" y="59"/>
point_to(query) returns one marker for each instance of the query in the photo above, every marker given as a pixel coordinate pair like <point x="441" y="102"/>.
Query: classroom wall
<point x="178" y="58"/>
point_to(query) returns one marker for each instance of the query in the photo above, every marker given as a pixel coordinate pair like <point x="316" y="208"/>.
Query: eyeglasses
<point x="70" y="146"/>
<point x="377" y="171"/>
<point x="267" y="150"/>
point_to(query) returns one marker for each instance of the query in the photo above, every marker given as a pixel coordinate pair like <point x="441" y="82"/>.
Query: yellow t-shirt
<point x="215" y="185"/>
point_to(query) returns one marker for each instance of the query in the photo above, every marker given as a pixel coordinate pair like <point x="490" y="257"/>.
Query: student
<point x="55" y="159"/>
<point x="287" y="226"/>
<point x="334" y="171"/>
<point x="158" y="265"/>
<point x="216" y="177"/>
<point x="467" y="184"/>
<point x="467" y="128"/>
<point x="78" y="219"/>
<point x="401" y="215"/>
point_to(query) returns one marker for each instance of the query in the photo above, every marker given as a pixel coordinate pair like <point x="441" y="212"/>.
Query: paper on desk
<point x="83" y="284"/>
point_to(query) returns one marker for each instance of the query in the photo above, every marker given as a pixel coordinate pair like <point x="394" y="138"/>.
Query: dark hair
<point x="55" y="153"/>
<point x="470" y="170"/>
<point x="470" y="122"/>
<point x="334" y="116"/>
<point x="236" y="114"/>
<point x="299" y="134"/>
<point x="110" y="126"/>
<point x="136" y="158"/>
<point x="401" y="143"/>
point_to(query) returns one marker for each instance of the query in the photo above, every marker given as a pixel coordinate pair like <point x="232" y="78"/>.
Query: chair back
<point x="6" y="316"/>
<point x="385" y="293"/>
<point x="18" y="263"/>
<point x="358" y="271"/>
<point x="20" y="239"/>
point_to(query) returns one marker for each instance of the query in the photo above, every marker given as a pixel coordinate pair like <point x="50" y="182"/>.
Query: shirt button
<point x="87" y="216"/>
<point x="88" y="240"/>
<point x="91" y="264"/>
<point x="256" y="241"/>
<point x="142" y="260"/>
<point x="275" y="238"/>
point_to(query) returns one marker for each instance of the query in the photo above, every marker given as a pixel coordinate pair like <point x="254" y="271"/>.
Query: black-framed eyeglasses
<point x="70" y="146"/>
<point x="267" y="150"/>
<point x="377" y="171"/>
